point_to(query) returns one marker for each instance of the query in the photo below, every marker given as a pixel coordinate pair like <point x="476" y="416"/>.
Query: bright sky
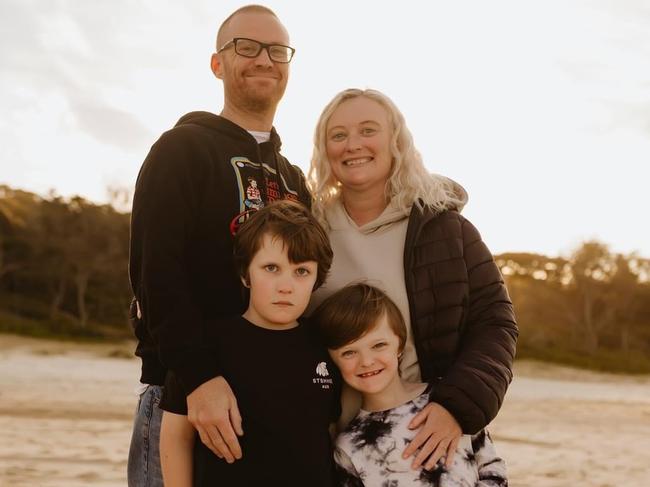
<point x="540" y="109"/>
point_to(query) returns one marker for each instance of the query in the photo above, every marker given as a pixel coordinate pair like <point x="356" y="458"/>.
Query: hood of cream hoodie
<point x="338" y="218"/>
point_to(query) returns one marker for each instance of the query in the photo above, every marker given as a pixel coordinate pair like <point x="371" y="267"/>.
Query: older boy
<point x="279" y="373"/>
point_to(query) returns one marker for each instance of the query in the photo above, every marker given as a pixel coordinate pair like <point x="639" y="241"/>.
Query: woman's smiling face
<point x="358" y="139"/>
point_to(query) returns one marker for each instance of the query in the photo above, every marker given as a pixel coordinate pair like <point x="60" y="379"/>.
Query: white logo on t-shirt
<point x="321" y="369"/>
<point x="323" y="377"/>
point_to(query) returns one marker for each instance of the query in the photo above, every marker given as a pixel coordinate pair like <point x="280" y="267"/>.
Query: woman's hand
<point x="438" y="436"/>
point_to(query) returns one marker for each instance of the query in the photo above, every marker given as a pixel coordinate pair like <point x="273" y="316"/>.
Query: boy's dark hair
<point x="294" y="225"/>
<point x="353" y="311"/>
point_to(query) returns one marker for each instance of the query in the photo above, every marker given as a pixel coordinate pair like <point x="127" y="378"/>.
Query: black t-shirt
<point x="287" y="391"/>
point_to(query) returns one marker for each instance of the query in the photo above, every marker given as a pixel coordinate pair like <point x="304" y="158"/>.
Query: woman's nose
<point x="354" y="143"/>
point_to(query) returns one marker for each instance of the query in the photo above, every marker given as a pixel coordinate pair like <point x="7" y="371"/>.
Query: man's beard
<point x="255" y="100"/>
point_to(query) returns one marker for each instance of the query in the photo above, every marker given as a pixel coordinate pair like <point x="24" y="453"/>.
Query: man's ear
<point x="216" y="65"/>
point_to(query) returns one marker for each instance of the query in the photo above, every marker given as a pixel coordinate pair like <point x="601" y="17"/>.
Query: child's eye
<point x="302" y="272"/>
<point x="271" y="268"/>
<point x="347" y="353"/>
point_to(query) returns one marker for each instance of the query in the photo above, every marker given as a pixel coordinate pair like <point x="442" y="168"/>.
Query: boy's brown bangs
<point x="301" y="246"/>
<point x="353" y="311"/>
<point x="292" y="223"/>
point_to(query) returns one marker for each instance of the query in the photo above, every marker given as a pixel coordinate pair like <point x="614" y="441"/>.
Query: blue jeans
<point x="144" y="453"/>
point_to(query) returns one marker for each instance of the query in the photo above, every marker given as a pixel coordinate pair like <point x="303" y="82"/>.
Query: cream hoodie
<point x="372" y="253"/>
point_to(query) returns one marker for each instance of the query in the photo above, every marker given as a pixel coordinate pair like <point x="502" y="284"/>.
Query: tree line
<point x="63" y="265"/>
<point x="63" y="272"/>
<point x="591" y="308"/>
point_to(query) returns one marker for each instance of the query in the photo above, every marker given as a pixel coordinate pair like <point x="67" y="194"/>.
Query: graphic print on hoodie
<point x="259" y="184"/>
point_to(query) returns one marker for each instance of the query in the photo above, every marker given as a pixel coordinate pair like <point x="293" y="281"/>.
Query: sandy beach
<point x="66" y="410"/>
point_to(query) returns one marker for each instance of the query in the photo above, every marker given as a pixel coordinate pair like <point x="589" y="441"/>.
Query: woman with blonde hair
<point x="397" y="226"/>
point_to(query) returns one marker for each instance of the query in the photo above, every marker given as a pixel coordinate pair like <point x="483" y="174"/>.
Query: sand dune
<point x="66" y="410"/>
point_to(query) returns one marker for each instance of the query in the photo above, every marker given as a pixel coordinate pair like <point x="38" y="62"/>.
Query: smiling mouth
<point x="370" y="374"/>
<point x="261" y="75"/>
<point x="357" y="162"/>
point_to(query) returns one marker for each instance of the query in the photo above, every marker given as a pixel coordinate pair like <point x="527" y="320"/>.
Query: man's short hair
<point x="353" y="311"/>
<point x="241" y="10"/>
<point x="292" y="223"/>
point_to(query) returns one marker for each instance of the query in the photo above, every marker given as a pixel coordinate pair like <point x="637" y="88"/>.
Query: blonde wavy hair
<point x="409" y="182"/>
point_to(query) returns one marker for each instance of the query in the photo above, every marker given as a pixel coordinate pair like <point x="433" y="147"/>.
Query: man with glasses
<point x="194" y="189"/>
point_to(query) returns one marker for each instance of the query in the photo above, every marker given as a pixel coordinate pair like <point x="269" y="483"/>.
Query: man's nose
<point x="264" y="58"/>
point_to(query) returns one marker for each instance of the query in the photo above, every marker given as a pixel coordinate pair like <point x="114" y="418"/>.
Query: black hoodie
<point x="195" y="182"/>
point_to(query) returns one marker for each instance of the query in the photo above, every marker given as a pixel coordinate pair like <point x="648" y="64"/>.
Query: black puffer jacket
<point x="461" y="315"/>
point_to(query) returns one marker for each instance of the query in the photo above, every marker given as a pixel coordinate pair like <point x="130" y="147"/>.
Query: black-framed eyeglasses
<point x="252" y="48"/>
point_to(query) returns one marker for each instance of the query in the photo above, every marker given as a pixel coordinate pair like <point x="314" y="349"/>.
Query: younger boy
<point x="277" y="370"/>
<point x="365" y="334"/>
